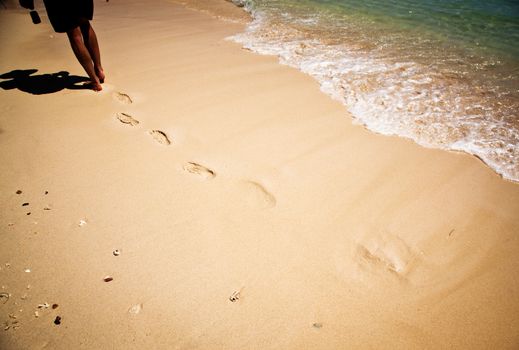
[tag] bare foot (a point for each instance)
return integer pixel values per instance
(95, 85)
(100, 74)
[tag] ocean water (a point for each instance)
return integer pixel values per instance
(444, 73)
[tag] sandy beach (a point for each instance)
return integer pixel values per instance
(211, 198)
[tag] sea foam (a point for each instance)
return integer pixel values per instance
(439, 102)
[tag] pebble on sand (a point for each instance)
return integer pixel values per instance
(108, 279)
(235, 296)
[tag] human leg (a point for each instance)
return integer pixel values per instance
(83, 55)
(90, 40)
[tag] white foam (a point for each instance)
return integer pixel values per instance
(396, 98)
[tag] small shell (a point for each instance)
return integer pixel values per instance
(82, 223)
(5, 296)
(116, 252)
(43, 306)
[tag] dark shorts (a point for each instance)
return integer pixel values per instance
(65, 15)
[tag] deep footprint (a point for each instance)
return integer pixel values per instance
(127, 119)
(160, 137)
(391, 255)
(123, 98)
(199, 170)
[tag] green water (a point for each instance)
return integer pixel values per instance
(491, 24)
(443, 73)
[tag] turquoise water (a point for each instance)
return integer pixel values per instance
(443, 73)
(492, 24)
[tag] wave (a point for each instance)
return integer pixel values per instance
(395, 83)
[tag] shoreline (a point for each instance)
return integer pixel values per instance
(246, 210)
(379, 123)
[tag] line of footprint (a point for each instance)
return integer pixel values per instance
(258, 193)
(159, 136)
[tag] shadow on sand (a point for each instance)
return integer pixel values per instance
(40, 84)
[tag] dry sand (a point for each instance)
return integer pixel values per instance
(326, 235)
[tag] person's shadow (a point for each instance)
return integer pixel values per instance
(40, 84)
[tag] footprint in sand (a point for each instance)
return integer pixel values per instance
(385, 254)
(160, 137)
(126, 119)
(122, 98)
(199, 170)
(256, 196)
